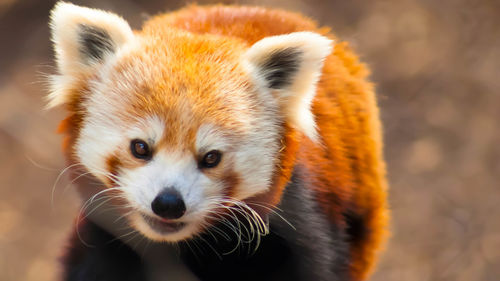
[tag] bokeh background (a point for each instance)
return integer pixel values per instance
(436, 65)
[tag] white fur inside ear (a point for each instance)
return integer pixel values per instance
(288, 67)
(106, 32)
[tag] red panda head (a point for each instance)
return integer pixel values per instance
(182, 125)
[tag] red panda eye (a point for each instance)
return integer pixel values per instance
(140, 149)
(211, 159)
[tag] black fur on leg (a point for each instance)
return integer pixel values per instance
(104, 258)
(319, 247)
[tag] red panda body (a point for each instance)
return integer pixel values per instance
(327, 177)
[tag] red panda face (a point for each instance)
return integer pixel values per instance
(151, 125)
(182, 126)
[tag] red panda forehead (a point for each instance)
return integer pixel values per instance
(185, 82)
(184, 106)
(184, 119)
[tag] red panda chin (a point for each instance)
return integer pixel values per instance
(163, 226)
(158, 230)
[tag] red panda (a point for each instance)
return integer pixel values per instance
(236, 125)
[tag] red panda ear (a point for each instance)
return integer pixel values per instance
(288, 68)
(83, 39)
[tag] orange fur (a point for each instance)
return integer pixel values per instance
(346, 168)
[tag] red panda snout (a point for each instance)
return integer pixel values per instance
(169, 204)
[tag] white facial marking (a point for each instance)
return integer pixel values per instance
(209, 138)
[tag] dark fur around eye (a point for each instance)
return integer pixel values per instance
(140, 149)
(211, 159)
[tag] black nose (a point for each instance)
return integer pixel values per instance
(169, 204)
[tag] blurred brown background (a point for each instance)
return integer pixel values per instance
(437, 69)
